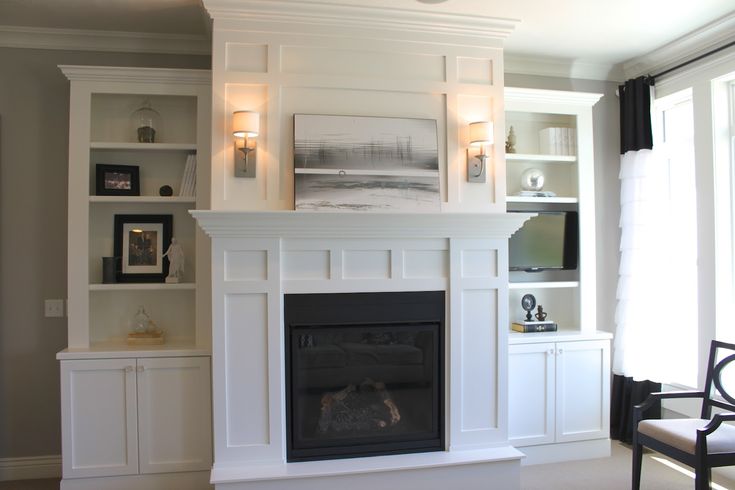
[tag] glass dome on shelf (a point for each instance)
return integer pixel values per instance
(146, 121)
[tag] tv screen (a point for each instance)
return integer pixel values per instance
(547, 241)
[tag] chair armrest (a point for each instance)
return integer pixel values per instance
(717, 420)
(654, 397)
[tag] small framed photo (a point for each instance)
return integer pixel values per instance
(140, 242)
(117, 180)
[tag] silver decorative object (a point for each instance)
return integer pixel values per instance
(532, 179)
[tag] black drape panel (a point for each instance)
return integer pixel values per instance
(635, 115)
(625, 394)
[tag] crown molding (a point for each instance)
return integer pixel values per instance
(252, 12)
(128, 74)
(562, 68)
(711, 36)
(107, 41)
(538, 96)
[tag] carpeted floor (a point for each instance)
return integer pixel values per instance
(593, 474)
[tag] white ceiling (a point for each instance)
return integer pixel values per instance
(591, 31)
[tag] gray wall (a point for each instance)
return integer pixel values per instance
(34, 128)
(606, 115)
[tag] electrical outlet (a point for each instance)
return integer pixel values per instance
(53, 308)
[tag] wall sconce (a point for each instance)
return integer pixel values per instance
(245, 128)
(481, 134)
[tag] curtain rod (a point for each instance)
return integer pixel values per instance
(652, 78)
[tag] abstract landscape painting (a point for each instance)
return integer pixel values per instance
(360, 163)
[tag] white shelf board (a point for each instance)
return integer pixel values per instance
(528, 157)
(144, 199)
(120, 349)
(107, 145)
(558, 200)
(544, 285)
(142, 286)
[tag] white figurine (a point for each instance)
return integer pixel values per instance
(175, 256)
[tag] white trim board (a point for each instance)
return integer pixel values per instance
(30, 467)
(107, 41)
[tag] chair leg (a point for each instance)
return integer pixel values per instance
(637, 461)
(702, 479)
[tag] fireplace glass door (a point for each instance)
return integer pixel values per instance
(358, 388)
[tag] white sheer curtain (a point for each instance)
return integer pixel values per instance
(656, 310)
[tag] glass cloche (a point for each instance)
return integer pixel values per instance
(146, 121)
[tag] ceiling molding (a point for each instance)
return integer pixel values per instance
(561, 68)
(297, 12)
(109, 41)
(538, 96)
(711, 36)
(139, 75)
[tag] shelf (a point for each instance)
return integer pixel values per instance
(550, 200)
(120, 349)
(103, 145)
(527, 157)
(543, 285)
(148, 286)
(144, 199)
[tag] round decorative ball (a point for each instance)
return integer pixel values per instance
(532, 179)
(166, 190)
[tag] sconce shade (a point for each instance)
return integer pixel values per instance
(245, 123)
(481, 133)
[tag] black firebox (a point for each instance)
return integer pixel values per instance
(364, 374)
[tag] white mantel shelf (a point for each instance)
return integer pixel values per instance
(358, 225)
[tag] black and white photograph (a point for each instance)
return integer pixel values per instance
(140, 241)
(361, 163)
(117, 180)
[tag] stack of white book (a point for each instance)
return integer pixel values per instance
(558, 141)
(188, 186)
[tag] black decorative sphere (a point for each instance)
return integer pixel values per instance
(166, 190)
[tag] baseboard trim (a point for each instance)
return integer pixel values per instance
(30, 468)
(565, 451)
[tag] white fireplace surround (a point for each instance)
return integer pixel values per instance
(257, 257)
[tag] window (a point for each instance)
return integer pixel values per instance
(676, 216)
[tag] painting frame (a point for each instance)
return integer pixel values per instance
(365, 163)
(140, 240)
(117, 180)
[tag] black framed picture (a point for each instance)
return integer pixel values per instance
(140, 242)
(117, 180)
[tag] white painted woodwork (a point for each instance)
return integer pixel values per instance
(174, 414)
(99, 419)
(259, 256)
(127, 416)
(101, 102)
(352, 61)
(559, 393)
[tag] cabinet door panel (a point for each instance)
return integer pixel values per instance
(99, 418)
(531, 394)
(583, 386)
(174, 411)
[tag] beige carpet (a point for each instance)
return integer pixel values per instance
(612, 473)
(593, 474)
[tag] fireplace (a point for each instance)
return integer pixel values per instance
(364, 374)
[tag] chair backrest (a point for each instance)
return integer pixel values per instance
(719, 389)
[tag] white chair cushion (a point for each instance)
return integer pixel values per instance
(682, 434)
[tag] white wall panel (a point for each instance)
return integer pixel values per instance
(305, 264)
(366, 264)
(425, 264)
(475, 70)
(479, 263)
(246, 265)
(316, 60)
(246, 340)
(243, 57)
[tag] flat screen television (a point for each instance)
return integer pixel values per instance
(549, 241)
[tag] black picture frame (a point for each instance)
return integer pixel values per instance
(117, 180)
(140, 240)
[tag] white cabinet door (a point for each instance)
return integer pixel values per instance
(531, 394)
(174, 412)
(98, 411)
(582, 390)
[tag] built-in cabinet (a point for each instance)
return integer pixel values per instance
(136, 416)
(558, 381)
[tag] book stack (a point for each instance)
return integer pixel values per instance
(527, 326)
(188, 186)
(558, 141)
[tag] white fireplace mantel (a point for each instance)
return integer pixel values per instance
(298, 224)
(260, 256)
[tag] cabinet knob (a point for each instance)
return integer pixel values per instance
(550, 352)
(560, 352)
(140, 369)
(128, 369)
